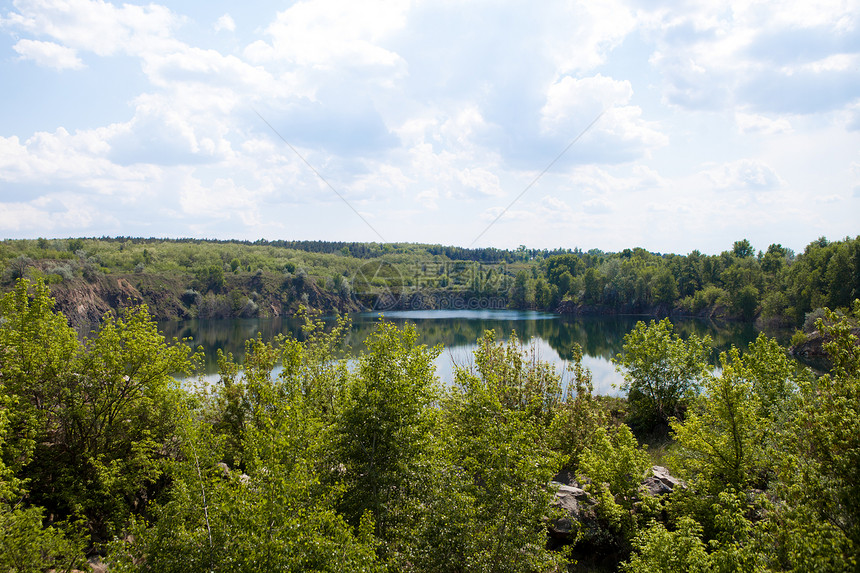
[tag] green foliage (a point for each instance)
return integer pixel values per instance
(489, 507)
(679, 551)
(734, 284)
(708, 297)
(26, 546)
(292, 461)
(745, 302)
(277, 514)
(37, 345)
(210, 278)
(383, 433)
(798, 338)
(616, 463)
(519, 378)
(614, 467)
(577, 420)
(90, 422)
(75, 245)
(720, 441)
(822, 473)
(662, 372)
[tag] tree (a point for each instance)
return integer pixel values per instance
(90, 423)
(518, 296)
(26, 545)
(743, 249)
(490, 502)
(591, 283)
(615, 466)
(565, 282)
(774, 259)
(518, 378)
(662, 372)
(546, 295)
(821, 473)
(745, 301)
(720, 443)
(383, 434)
(679, 551)
(664, 287)
(278, 515)
(576, 421)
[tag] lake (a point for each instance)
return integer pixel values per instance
(552, 335)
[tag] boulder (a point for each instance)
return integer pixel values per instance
(661, 481)
(577, 506)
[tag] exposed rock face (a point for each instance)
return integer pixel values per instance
(85, 302)
(661, 482)
(813, 346)
(579, 506)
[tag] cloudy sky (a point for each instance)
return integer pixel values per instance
(424, 121)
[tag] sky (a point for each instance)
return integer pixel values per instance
(605, 124)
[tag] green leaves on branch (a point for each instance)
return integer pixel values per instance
(662, 372)
(89, 424)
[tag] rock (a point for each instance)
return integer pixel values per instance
(661, 482)
(579, 522)
(813, 348)
(655, 486)
(576, 503)
(569, 498)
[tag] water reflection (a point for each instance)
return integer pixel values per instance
(601, 338)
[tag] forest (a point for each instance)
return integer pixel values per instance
(194, 278)
(293, 460)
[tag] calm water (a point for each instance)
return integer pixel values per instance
(553, 336)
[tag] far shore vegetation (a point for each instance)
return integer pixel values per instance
(195, 278)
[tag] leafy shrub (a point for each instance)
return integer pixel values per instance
(65, 272)
(679, 551)
(662, 372)
(190, 297)
(810, 318)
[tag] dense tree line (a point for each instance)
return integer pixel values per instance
(226, 278)
(775, 285)
(350, 248)
(293, 461)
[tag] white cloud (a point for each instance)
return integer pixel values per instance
(78, 159)
(48, 54)
(791, 56)
(411, 106)
(96, 26)
(744, 174)
(580, 34)
(578, 99)
(333, 33)
(221, 200)
(55, 216)
(225, 22)
(619, 134)
(597, 205)
(749, 123)
(381, 179)
(428, 199)
(480, 181)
